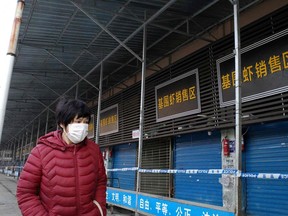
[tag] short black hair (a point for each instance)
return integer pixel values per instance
(68, 109)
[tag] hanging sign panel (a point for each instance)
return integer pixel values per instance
(264, 70)
(109, 120)
(178, 97)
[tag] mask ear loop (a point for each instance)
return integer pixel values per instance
(61, 127)
(65, 132)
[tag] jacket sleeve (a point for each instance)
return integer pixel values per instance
(100, 194)
(28, 186)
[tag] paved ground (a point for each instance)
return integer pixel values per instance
(8, 203)
(9, 206)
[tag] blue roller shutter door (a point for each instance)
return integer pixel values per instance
(124, 156)
(198, 151)
(267, 152)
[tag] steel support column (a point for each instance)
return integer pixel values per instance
(18, 145)
(14, 150)
(21, 148)
(25, 146)
(141, 119)
(32, 133)
(38, 131)
(47, 120)
(99, 105)
(238, 111)
(10, 148)
(7, 73)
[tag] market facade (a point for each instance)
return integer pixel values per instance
(181, 157)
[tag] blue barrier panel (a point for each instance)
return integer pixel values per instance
(122, 198)
(159, 206)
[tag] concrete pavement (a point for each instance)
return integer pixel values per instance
(8, 203)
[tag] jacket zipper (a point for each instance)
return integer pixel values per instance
(77, 182)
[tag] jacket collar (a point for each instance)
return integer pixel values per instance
(54, 140)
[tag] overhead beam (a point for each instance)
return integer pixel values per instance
(101, 32)
(45, 85)
(107, 31)
(162, 38)
(40, 102)
(135, 18)
(71, 69)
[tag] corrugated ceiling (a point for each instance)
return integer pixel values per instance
(62, 44)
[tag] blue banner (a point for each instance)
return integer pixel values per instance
(121, 198)
(159, 206)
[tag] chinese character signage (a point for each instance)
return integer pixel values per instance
(154, 205)
(121, 198)
(264, 70)
(178, 97)
(109, 120)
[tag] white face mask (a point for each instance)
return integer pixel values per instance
(77, 132)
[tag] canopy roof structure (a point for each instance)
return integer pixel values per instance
(62, 45)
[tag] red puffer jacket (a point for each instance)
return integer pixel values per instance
(63, 180)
